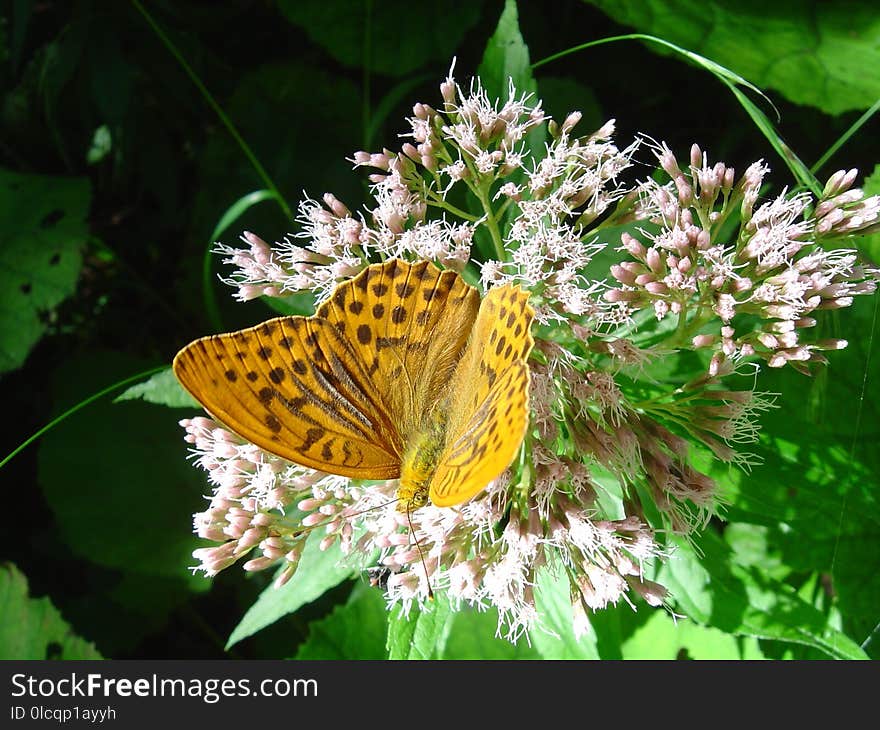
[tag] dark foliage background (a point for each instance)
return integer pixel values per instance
(140, 167)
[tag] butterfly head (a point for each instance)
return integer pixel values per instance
(411, 497)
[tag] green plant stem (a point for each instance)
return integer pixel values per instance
(82, 404)
(844, 138)
(436, 202)
(482, 194)
(227, 122)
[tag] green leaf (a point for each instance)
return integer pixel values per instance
(422, 633)
(381, 36)
(32, 628)
(473, 635)
(506, 57)
(42, 232)
(318, 571)
(355, 630)
(816, 53)
(162, 389)
(715, 591)
(816, 494)
(663, 637)
(117, 477)
(554, 637)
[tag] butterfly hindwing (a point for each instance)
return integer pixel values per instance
(488, 402)
(294, 387)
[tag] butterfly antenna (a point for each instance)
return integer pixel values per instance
(421, 554)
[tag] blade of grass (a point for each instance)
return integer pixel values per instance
(800, 171)
(732, 80)
(82, 404)
(227, 122)
(844, 138)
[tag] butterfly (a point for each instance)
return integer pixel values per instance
(402, 373)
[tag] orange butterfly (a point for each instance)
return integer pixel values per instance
(402, 373)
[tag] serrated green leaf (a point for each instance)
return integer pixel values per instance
(32, 628)
(816, 53)
(42, 232)
(474, 636)
(422, 633)
(506, 57)
(663, 637)
(373, 35)
(162, 389)
(740, 600)
(318, 571)
(355, 630)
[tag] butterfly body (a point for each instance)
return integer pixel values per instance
(420, 461)
(402, 373)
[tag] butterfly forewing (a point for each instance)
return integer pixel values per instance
(408, 324)
(488, 399)
(294, 387)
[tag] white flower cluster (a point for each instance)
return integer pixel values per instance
(602, 431)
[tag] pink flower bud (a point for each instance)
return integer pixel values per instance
(619, 295)
(257, 564)
(632, 245)
(729, 177)
(410, 151)
(251, 537)
(309, 505)
(448, 92)
(668, 162)
(315, 518)
(570, 121)
(284, 576)
(654, 261)
(831, 344)
(622, 275)
(685, 191)
(696, 156)
(263, 519)
(839, 181)
(338, 208)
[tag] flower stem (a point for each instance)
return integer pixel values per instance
(482, 194)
